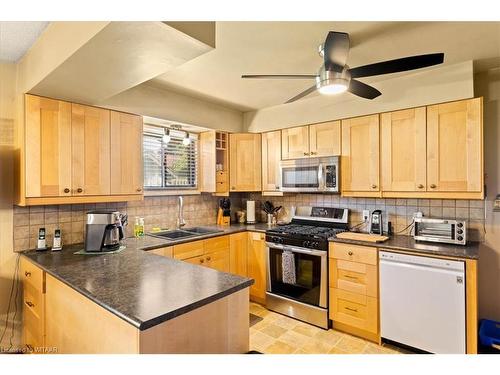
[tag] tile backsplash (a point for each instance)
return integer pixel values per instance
(202, 210)
(157, 212)
(398, 211)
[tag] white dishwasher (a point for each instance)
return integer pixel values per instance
(422, 302)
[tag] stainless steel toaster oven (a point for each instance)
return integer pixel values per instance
(441, 230)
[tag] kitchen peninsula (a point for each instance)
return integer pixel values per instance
(132, 302)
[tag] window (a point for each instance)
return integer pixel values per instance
(171, 165)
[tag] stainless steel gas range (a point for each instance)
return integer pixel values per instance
(297, 263)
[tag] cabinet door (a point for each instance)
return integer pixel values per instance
(238, 253)
(257, 265)
(207, 162)
(90, 133)
(295, 143)
(126, 154)
(271, 157)
(403, 150)
(360, 155)
(245, 162)
(219, 260)
(324, 139)
(455, 146)
(47, 147)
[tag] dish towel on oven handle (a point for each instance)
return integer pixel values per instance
(288, 266)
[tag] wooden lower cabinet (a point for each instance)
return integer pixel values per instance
(354, 306)
(257, 266)
(212, 253)
(238, 253)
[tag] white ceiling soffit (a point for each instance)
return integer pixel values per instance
(121, 56)
(16, 38)
(291, 48)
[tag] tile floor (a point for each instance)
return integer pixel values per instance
(279, 334)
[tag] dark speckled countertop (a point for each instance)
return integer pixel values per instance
(407, 243)
(143, 289)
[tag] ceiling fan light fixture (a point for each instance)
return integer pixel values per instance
(332, 86)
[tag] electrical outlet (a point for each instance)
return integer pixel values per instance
(366, 215)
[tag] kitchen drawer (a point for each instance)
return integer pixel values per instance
(199, 261)
(33, 330)
(189, 250)
(219, 260)
(354, 277)
(221, 176)
(32, 275)
(355, 310)
(216, 244)
(354, 253)
(221, 187)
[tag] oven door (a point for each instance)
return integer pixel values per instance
(310, 275)
(301, 175)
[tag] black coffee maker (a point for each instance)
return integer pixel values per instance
(104, 230)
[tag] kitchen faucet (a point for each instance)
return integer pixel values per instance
(180, 219)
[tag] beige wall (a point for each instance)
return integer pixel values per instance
(488, 85)
(7, 139)
(436, 85)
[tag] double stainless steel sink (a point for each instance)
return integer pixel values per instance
(183, 233)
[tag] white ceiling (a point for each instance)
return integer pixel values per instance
(16, 38)
(291, 48)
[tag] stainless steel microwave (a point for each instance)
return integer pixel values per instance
(314, 175)
(441, 230)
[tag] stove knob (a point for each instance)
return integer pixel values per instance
(460, 225)
(306, 243)
(460, 231)
(460, 238)
(315, 244)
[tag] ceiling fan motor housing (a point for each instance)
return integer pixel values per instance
(330, 78)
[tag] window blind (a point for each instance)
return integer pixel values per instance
(171, 165)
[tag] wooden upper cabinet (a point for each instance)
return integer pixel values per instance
(360, 156)
(324, 139)
(403, 150)
(245, 162)
(455, 146)
(295, 143)
(271, 157)
(207, 162)
(126, 154)
(90, 153)
(47, 166)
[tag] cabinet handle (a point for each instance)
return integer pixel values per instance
(420, 186)
(374, 186)
(27, 273)
(79, 190)
(433, 186)
(277, 187)
(350, 252)
(351, 309)
(306, 153)
(202, 260)
(208, 259)
(313, 153)
(138, 190)
(29, 303)
(66, 190)
(29, 347)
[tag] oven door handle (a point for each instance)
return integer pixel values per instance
(295, 249)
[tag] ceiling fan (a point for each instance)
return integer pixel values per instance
(335, 76)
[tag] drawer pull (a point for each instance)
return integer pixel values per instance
(66, 190)
(351, 309)
(79, 190)
(27, 273)
(208, 259)
(30, 304)
(350, 252)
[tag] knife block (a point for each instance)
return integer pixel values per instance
(221, 219)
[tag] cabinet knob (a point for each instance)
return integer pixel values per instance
(313, 153)
(374, 186)
(233, 188)
(202, 260)
(277, 187)
(30, 304)
(138, 190)
(420, 186)
(29, 347)
(27, 273)
(433, 186)
(208, 259)
(350, 252)
(306, 153)
(66, 190)
(79, 190)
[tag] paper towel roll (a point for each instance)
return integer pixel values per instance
(250, 212)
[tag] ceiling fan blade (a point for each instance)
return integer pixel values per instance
(362, 89)
(279, 76)
(336, 50)
(397, 65)
(302, 94)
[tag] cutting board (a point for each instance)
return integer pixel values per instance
(362, 237)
